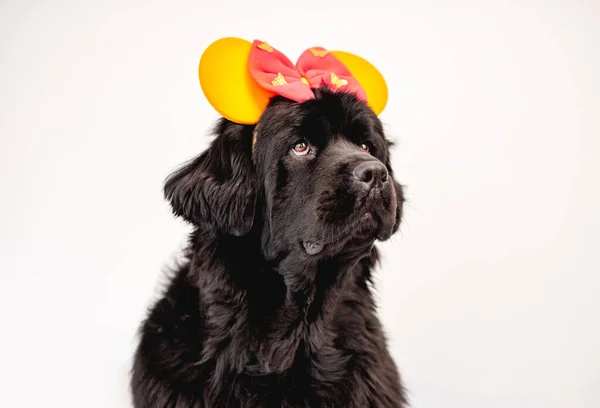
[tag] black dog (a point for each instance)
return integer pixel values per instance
(273, 307)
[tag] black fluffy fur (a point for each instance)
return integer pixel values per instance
(251, 319)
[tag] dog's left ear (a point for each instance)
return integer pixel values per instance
(400, 207)
(217, 189)
(398, 190)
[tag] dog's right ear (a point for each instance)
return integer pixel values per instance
(217, 189)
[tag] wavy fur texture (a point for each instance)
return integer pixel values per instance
(252, 318)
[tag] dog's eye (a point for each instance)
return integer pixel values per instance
(300, 148)
(366, 147)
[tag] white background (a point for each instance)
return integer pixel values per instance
(490, 292)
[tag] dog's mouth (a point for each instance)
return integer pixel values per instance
(313, 248)
(371, 217)
(366, 226)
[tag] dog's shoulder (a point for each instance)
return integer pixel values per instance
(170, 344)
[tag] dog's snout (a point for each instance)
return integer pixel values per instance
(370, 174)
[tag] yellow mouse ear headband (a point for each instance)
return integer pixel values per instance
(239, 77)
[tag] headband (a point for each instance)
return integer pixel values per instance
(238, 78)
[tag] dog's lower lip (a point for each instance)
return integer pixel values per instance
(312, 248)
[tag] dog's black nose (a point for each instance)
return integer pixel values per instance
(370, 173)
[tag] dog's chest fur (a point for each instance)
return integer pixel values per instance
(216, 343)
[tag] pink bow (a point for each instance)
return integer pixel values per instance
(316, 67)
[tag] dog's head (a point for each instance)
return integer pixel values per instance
(313, 177)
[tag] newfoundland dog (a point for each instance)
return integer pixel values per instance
(273, 306)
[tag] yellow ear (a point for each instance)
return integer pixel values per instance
(369, 78)
(226, 82)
